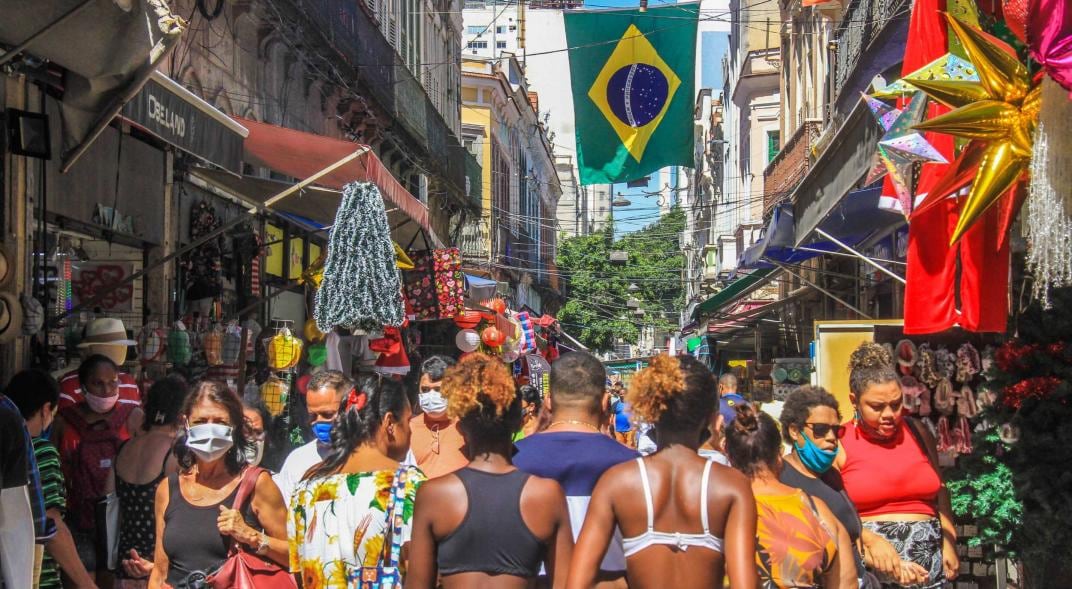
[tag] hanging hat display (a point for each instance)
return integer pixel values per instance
(33, 315)
(284, 350)
(152, 343)
(10, 317)
(178, 345)
(212, 344)
(274, 395)
(393, 358)
(231, 350)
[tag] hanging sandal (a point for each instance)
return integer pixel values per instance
(944, 400)
(964, 429)
(945, 440)
(966, 404)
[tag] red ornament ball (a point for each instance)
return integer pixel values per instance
(492, 337)
(467, 319)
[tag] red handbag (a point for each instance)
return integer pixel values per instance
(243, 570)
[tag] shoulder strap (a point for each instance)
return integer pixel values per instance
(163, 463)
(703, 496)
(932, 455)
(245, 488)
(647, 493)
(393, 550)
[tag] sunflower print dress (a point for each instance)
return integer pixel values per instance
(793, 548)
(338, 524)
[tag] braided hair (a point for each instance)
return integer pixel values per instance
(361, 413)
(870, 364)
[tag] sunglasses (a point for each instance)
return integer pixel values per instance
(821, 429)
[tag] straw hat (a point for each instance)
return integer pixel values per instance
(107, 331)
(7, 268)
(10, 317)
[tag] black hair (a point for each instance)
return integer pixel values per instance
(530, 395)
(164, 401)
(753, 441)
(353, 427)
(260, 408)
(90, 365)
(435, 366)
(798, 406)
(218, 393)
(578, 378)
(31, 389)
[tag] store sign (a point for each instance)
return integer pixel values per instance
(182, 123)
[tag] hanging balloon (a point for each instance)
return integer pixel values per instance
(492, 337)
(510, 356)
(467, 340)
(467, 319)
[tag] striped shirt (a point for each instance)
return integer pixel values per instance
(71, 390)
(44, 529)
(48, 464)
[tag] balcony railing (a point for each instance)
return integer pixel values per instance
(790, 166)
(359, 42)
(861, 24)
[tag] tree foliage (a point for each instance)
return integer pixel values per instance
(597, 290)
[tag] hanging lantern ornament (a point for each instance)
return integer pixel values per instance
(467, 319)
(492, 337)
(1001, 109)
(467, 340)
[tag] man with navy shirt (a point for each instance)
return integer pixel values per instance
(573, 451)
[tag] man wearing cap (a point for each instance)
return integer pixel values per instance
(728, 402)
(108, 337)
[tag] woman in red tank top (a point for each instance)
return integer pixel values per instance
(885, 465)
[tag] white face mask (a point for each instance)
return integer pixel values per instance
(255, 452)
(101, 404)
(432, 403)
(209, 441)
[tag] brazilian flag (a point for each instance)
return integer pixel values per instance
(632, 77)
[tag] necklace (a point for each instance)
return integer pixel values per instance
(573, 422)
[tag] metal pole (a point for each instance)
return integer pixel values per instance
(819, 251)
(824, 291)
(844, 246)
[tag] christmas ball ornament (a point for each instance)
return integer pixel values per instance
(1009, 433)
(467, 319)
(492, 337)
(467, 340)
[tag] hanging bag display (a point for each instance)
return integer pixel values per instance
(242, 569)
(284, 350)
(178, 345)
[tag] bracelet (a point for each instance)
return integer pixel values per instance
(262, 547)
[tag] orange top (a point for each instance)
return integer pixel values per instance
(436, 446)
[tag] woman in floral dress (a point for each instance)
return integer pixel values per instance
(339, 513)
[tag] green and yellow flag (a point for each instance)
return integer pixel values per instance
(632, 77)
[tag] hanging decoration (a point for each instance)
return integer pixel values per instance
(436, 286)
(467, 319)
(362, 288)
(314, 274)
(284, 350)
(901, 147)
(467, 340)
(1049, 36)
(948, 67)
(179, 349)
(1001, 110)
(1047, 219)
(492, 337)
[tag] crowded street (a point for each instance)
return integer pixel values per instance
(563, 294)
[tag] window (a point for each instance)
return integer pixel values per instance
(475, 29)
(773, 146)
(477, 44)
(500, 44)
(501, 29)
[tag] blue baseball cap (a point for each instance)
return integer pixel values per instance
(727, 406)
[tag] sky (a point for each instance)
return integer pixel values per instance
(645, 207)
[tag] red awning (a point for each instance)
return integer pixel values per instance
(300, 155)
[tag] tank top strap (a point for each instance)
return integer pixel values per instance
(703, 496)
(163, 465)
(648, 502)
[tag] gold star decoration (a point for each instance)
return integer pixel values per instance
(998, 113)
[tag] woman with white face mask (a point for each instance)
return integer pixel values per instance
(88, 435)
(195, 523)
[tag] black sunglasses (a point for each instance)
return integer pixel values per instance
(821, 429)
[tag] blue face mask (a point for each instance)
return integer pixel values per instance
(322, 431)
(815, 458)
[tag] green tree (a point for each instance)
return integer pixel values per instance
(595, 311)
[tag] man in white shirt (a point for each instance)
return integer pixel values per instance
(322, 398)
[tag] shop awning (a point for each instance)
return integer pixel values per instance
(837, 171)
(480, 288)
(108, 48)
(736, 290)
(853, 220)
(299, 155)
(175, 115)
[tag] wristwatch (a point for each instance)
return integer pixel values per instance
(262, 547)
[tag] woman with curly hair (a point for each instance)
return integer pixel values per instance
(889, 466)
(705, 524)
(488, 524)
(352, 512)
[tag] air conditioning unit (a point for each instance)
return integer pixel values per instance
(619, 257)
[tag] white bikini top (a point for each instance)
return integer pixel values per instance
(682, 541)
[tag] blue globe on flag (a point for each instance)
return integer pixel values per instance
(637, 94)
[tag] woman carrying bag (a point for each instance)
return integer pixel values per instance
(215, 489)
